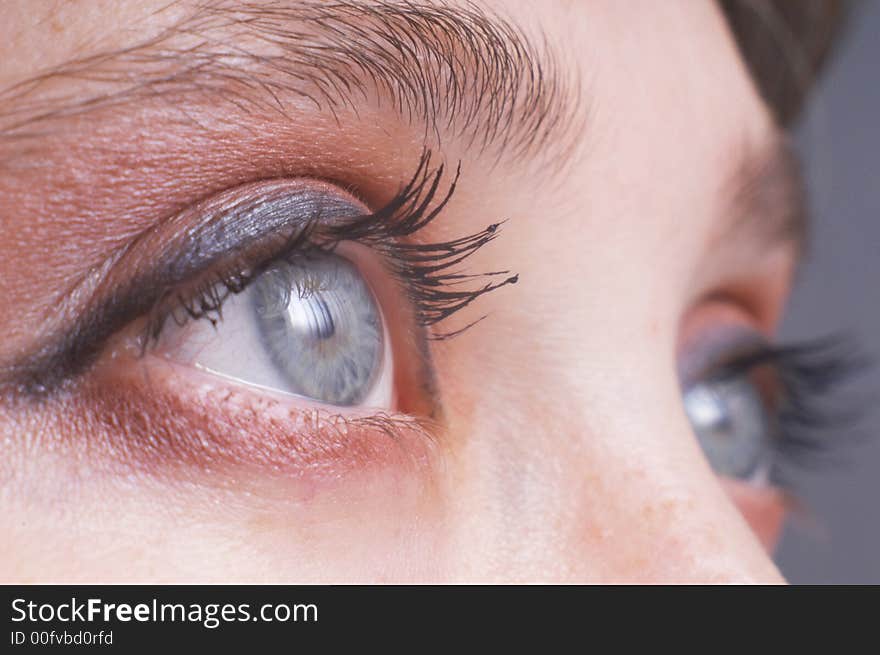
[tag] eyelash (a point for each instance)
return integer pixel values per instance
(426, 271)
(809, 377)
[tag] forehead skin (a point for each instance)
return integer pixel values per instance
(563, 458)
(45, 34)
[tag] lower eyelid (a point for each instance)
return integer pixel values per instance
(154, 419)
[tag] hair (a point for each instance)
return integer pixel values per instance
(785, 44)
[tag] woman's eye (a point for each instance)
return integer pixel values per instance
(307, 325)
(732, 424)
(761, 411)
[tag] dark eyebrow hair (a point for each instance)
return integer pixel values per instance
(447, 68)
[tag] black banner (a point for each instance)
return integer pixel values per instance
(149, 618)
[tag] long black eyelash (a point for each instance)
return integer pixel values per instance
(429, 272)
(812, 414)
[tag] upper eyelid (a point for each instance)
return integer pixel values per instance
(166, 255)
(133, 282)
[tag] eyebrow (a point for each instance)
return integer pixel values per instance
(765, 196)
(448, 68)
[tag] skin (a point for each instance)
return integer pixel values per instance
(562, 452)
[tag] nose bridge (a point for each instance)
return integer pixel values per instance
(592, 494)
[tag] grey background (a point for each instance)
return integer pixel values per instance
(838, 540)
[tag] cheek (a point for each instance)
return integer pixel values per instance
(762, 508)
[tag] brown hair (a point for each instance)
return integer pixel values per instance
(785, 44)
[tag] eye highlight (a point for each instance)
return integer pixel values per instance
(308, 325)
(320, 321)
(732, 425)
